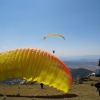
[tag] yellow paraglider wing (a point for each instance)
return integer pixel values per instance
(35, 65)
(54, 35)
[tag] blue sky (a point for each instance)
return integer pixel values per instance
(24, 23)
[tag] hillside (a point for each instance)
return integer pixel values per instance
(84, 91)
(80, 72)
(89, 64)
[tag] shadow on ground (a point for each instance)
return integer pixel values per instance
(47, 96)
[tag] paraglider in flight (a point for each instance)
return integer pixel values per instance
(53, 51)
(49, 35)
(34, 64)
(54, 35)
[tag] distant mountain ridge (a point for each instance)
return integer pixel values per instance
(80, 72)
(83, 63)
(82, 67)
(91, 57)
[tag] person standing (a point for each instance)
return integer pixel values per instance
(41, 85)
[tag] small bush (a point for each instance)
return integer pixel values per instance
(92, 84)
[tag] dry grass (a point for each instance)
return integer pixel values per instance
(83, 91)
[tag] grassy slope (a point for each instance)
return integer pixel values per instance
(33, 92)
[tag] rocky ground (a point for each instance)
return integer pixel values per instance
(78, 91)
